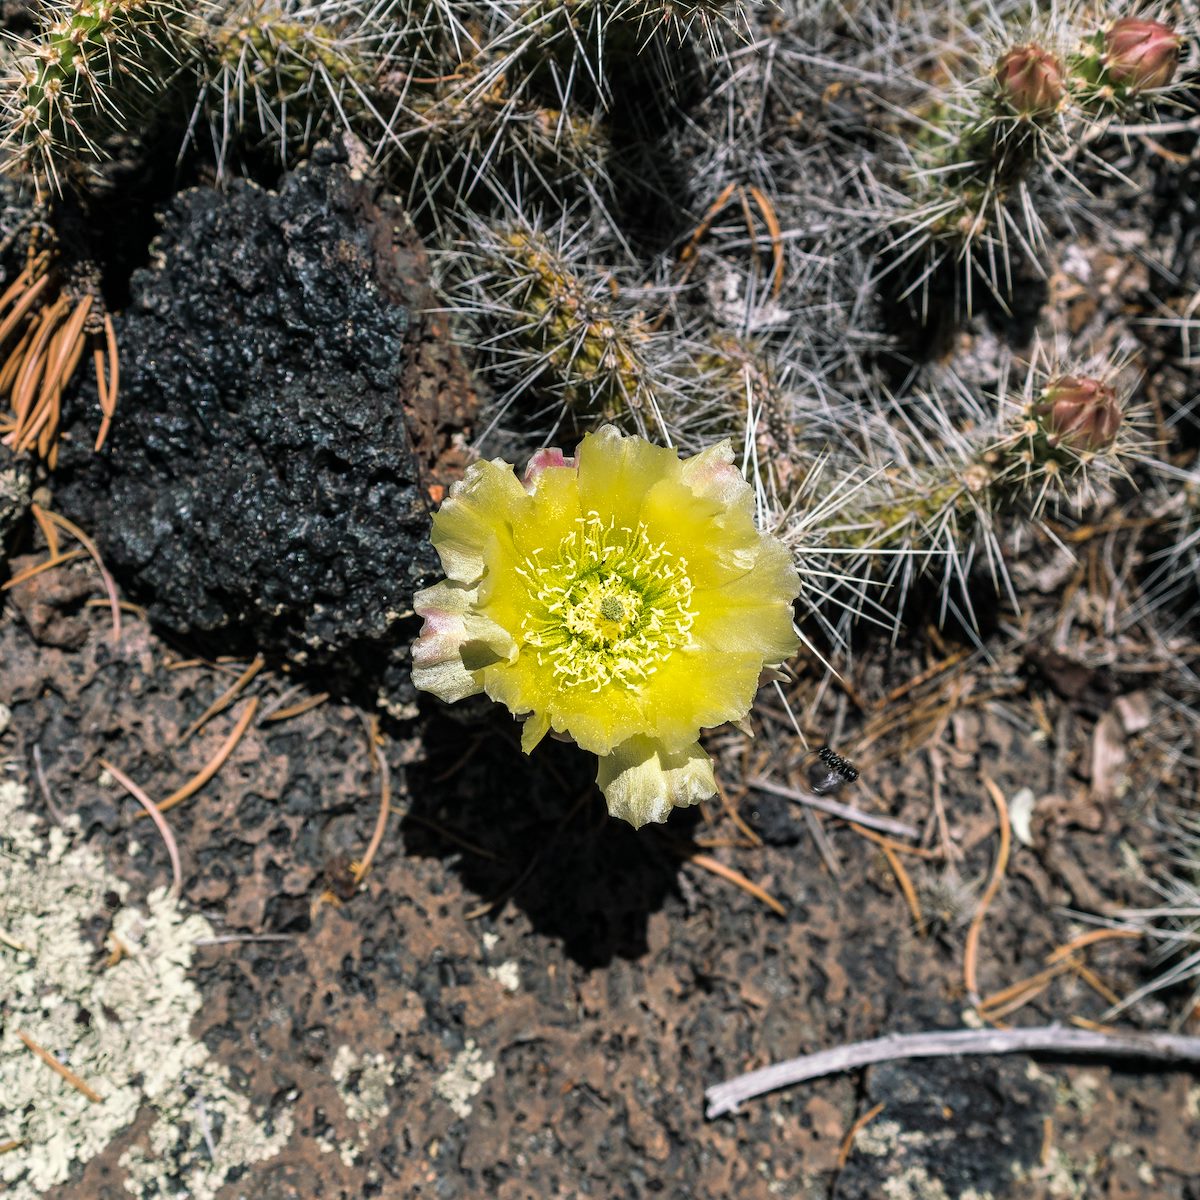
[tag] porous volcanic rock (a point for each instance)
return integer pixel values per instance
(260, 490)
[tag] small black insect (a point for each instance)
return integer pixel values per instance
(829, 772)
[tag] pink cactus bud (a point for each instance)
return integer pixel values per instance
(1141, 54)
(1081, 413)
(1030, 79)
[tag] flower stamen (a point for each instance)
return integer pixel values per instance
(608, 607)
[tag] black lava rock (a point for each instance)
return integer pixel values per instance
(259, 489)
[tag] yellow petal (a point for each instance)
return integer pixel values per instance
(537, 725)
(473, 528)
(642, 781)
(616, 472)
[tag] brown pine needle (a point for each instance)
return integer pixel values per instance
(768, 211)
(360, 869)
(49, 530)
(1094, 1026)
(859, 1125)
(917, 680)
(1089, 939)
(215, 763)
(297, 709)
(16, 1144)
(63, 1070)
(1095, 983)
(1018, 989)
(971, 949)
(224, 700)
(86, 542)
(740, 880)
(736, 817)
(159, 820)
(108, 395)
(902, 876)
(22, 306)
(29, 572)
(134, 610)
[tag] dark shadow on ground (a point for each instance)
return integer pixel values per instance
(535, 831)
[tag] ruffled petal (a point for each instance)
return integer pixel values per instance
(455, 642)
(473, 529)
(642, 781)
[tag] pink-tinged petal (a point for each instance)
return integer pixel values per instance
(712, 475)
(544, 460)
(455, 643)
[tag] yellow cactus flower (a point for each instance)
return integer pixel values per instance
(624, 599)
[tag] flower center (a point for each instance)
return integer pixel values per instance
(606, 606)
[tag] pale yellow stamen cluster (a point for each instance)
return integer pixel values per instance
(607, 606)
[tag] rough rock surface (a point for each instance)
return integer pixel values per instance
(260, 489)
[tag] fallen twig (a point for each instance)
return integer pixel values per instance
(1054, 1039)
(846, 811)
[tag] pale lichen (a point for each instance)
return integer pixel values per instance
(463, 1080)
(119, 1021)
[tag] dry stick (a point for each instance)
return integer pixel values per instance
(736, 877)
(1169, 1048)
(215, 763)
(61, 1068)
(845, 811)
(159, 820)
(224, 700)
(971, 949)
(451, 836)
(86, 542)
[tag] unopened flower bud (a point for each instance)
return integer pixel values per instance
(1030, 79)
(1079, 412)
(1140, 54)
